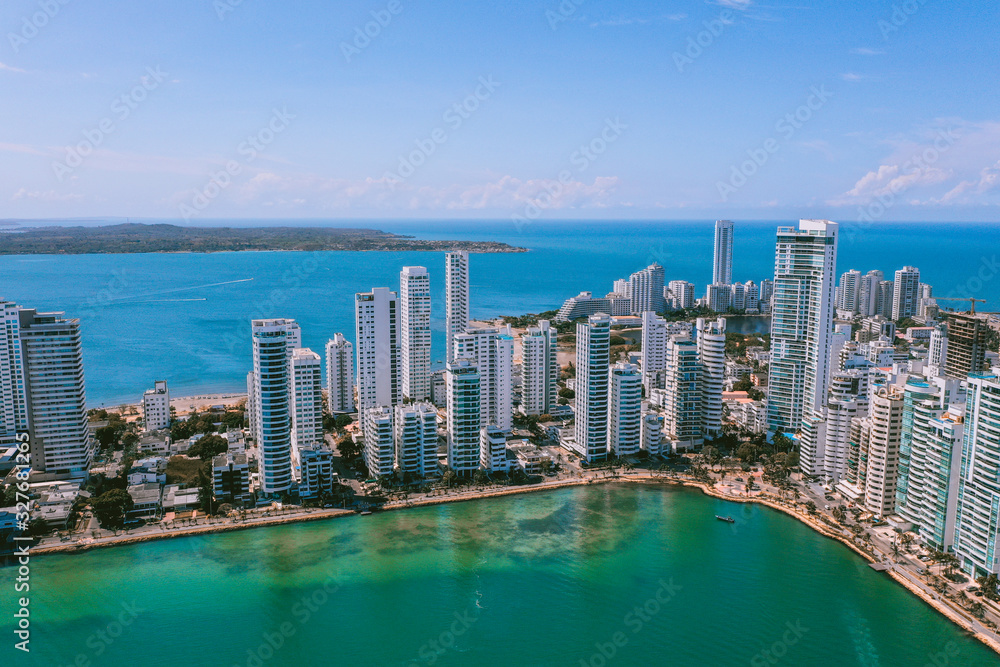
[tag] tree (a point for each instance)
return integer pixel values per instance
(567, 393)
(342, 421)
(811, 507)
(481, 478)
(112, 507)
(208, 447)
(206, 492)
(449, 478)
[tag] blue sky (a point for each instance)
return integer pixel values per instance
(203, 109)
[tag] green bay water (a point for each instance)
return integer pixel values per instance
(185, 317)
(548, 578)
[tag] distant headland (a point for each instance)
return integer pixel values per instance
(160, 238)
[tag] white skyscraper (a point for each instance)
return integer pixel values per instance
(683, 293)
(646, 289)
(13, 401)
(55, 401)
(722, 268)
(868, 293)
(307, 399)
(682, 405)
(624, 410)
(977, 533)
(492, 448)
(492, 350)
(539, 369)
(719, 298)
(416, 439)
(273, 342)
(380, 444)
(849, 291)
(874, 444)
(801, 322)
(378, 365)
(653, 360)
(456, 279)
(464, 421)
(712, 355)
(339, 374)
(937, 357)
(591, 402)
(830, 437)
(415, 332)
(156, 407)
(906, 293)
(651, 433)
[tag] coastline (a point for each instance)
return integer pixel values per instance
(956, 616)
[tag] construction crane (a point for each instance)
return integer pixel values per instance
(961, 298)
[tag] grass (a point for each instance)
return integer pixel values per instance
(182, 470)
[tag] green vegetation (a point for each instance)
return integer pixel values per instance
(208, 447)
(529, 320)
(182, 470)
(133, 238)
(111, 508)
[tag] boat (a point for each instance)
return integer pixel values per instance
(366, 513)
(727, 519)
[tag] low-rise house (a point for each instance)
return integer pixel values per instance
(147, 501)
(176, 499)
(231, 479)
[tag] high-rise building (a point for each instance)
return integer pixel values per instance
(966, 345)
(653, 360)
(539, 369)
(416, 439)
(464, 421)
(651, 433)
(930, 454)
(751, 298)
(682, 294)
(875, 447)
(273, 342)
(492, 350)
(801, 322)
(977, 525)
(492, 448)
(339, 374)
(937, 351)
(624, 410)
(883, 304)
(722, 267)
(825, 441)
(415, 332)
(719, 298)
(849, 291)
(376, 316)
(380, 445)
(766, 293)
(868, 293)
(737, 296)
(593, 339)
(13, 401)
(906, 293)
(682, 395)
(456, 283)
(307, 399)
(156, 407)
(646, 289)
(55, 400)
(712, 355)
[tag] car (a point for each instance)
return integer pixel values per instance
(826, 507)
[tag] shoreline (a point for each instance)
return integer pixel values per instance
(958, 617)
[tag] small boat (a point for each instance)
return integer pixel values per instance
(727, 519)
(366, 513)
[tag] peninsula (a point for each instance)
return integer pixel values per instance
(148, 238)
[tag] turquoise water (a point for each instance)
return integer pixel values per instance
(185, 318)
(549, 578)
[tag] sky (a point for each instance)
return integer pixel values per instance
(192, 110)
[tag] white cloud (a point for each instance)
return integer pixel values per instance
(735, 4)
(9, 68)
(851, 76)
(47, 195)
(862, 51)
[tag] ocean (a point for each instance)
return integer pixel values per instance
(185, 317)
(587, 576)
